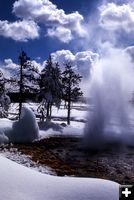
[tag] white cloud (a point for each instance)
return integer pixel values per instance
(116, 17)
(63, 56)
(19, 30)
(63, 34)
(81, 61)
(45, 12)
(10, 65)
(11, 69)
(37, 65)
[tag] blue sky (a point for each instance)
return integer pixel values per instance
(76, 31)
(44, 45)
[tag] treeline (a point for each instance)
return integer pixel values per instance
(50, 86)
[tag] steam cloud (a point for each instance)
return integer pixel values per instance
(111, 87)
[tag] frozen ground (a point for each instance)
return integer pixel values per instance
(19, 182)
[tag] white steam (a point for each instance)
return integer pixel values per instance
(111, 87)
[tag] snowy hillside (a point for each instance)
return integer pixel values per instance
(20, 183)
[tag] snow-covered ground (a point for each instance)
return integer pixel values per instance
(58, 125)
(78, 111)
(20, 183)
(55, 127)
(78, 118)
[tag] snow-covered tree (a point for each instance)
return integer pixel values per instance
(51, 86)
(71, 89)
(29, 74)
(29, 77)
(4, 98)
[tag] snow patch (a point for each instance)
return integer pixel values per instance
(19, 182)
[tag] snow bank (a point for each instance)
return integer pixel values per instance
(25, 130)
(19, 182)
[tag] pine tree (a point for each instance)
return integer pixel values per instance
(71, 89)
(4, 98)
(50, 86)
(29, 78)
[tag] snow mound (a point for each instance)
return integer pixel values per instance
(19, 182)
(24, 131)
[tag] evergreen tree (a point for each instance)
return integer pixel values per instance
(50, 86)
(29, 78)
(71, 89)
(4, 98)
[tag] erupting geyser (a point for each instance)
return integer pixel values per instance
(111, 114)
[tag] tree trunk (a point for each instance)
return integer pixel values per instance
(42, 115)
(69, 103)
(68, 112)
(20, 95)
(50, 112)
(20, 107)
(48, 109)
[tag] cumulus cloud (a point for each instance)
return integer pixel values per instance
(113, 23)
(45, 12)
(11, 69)
(9, 64)
(63, 56)
(37, 65)
(116, 17)
(81, 61)
(63, 34)
(19, 30)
